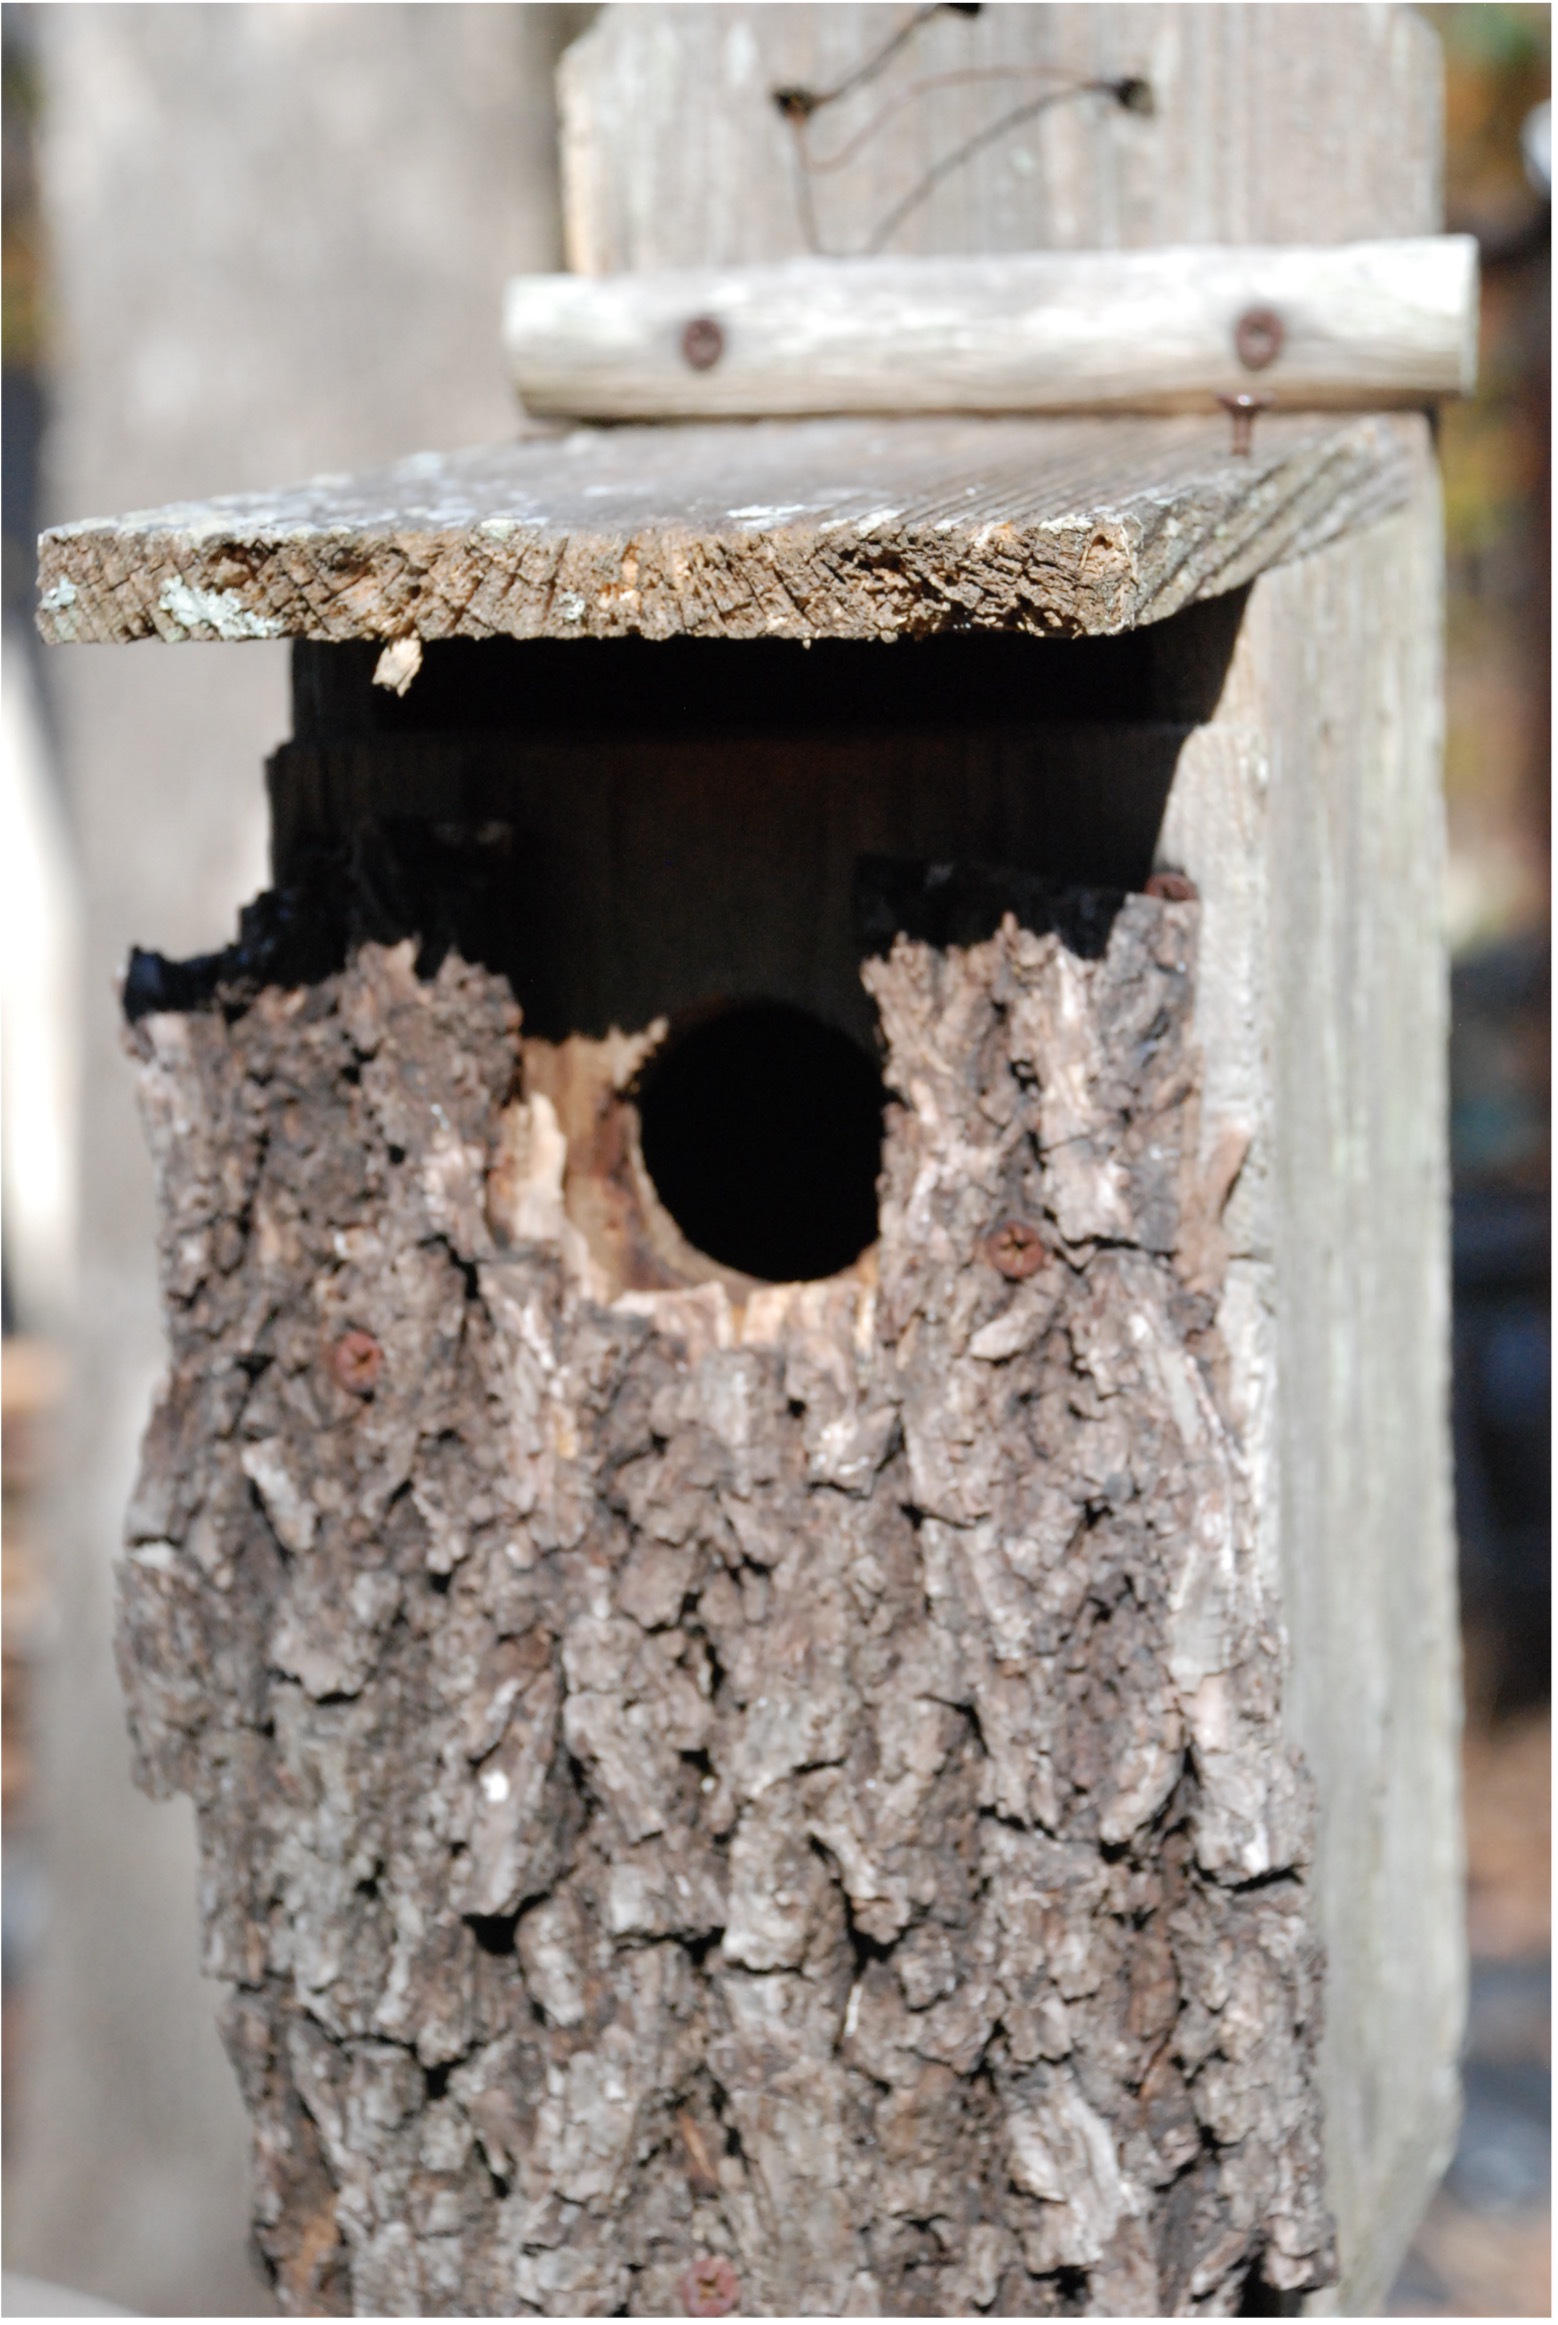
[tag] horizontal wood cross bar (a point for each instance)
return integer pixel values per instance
(1360, 324)
(845, 528)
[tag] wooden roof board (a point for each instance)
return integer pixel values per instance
(840, 528)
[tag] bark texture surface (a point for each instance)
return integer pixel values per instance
(779, 1806)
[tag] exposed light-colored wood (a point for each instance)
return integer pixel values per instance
(791, 529)
(1362, 324)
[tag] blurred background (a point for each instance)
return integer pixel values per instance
(249, 242)
(242, 244)
(1485, 2248)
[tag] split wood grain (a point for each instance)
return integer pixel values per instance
(845, 528)
(1360, 325)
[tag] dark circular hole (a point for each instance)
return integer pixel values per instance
(762, 1132)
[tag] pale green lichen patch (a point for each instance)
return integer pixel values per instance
(58, 601)
(219, 610)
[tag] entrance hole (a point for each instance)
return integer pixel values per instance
(761, 1129)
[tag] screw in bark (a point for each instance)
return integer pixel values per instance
(703, 343)
(1172, 888)
(1016, 1248)
(1243, 410)
(708, 2287)
(1259, 337)
(356, 1361)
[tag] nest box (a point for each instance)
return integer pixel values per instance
(798, 1548)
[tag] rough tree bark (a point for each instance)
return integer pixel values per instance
(778, 1805)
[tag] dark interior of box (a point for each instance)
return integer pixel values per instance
(715, 834)
(631, 828)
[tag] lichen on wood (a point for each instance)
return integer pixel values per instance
(777, 1804)
(851, 528)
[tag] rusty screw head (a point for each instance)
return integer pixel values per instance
(1016, 1249)
(356, 1361)
(708, 2287)
(703, 343)
(1172, 888)
(1258, 338)
(1244, 409)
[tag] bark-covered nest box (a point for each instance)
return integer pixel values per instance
(797, 1545)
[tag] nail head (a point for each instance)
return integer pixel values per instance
(1015, 1249)
(708, 2286)
(703, 343)
(357, 1360)
(1258, 338)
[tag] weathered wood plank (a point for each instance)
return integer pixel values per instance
(1309, 813)
(1366, 324)
(1264, 129)
(802, 529)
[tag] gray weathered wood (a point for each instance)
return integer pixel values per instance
(1269, 125)
(1308, 812)
(1362, 325)
(827, 528)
